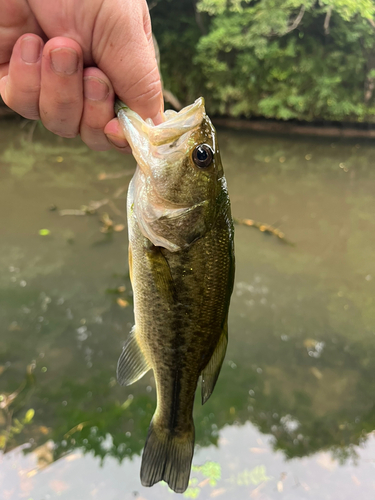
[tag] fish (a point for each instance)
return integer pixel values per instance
(181, 266)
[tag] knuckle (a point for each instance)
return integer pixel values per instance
(60, 128)
(151, 85)
(18, 96)
(30, 114)
(65, 101)
(25, 105)
(62, 115)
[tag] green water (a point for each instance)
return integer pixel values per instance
(293, 412)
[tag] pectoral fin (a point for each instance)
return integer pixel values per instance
(162, 276)
(211, 373)
(132, 364)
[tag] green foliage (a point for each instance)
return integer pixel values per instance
(177, 34)
(211, 470)
(284, 59)
(16, 428)
(248, 477)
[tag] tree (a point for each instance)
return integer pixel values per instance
(306, 60)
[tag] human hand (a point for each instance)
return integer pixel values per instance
(64, 61)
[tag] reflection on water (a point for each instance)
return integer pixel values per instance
(244, 466)
(293, 410)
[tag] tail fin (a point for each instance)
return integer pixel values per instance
(167, 457)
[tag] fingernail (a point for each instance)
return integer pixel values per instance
(30, 49)
(64, 61)
(158, 118)
(115, 141)
(95, 89)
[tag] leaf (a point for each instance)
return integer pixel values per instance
(317, 373)
(119, 289)
(212, 470)
(254, 476)
(192, 493)
(258, 475)
(310, 343)
(3, 441)
(44, 232)
(122, 302)
(29, 416)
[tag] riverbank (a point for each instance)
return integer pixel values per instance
(350, 130)
(300, 128)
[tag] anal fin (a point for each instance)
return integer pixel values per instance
(132, 364)
(211, 372)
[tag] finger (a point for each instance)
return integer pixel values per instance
(16, 19)
(123, 50)
(21, 88)
(98, 108)
(61, 94)
(115, 136)
(4, 69)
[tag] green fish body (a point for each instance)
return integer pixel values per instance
(181, 263)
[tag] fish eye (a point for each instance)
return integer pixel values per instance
(203, 155)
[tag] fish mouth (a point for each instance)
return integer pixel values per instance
(175, 125)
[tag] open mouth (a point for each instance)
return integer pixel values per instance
(175, 124)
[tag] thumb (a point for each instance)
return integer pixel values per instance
(124, 51)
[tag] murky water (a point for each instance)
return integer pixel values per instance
(293, 412)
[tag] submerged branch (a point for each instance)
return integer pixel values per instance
(117, 211)
(89, 209)
(117, 175)
(264, 228)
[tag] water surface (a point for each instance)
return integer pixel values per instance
(293, 412)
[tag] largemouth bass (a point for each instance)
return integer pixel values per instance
(181, 264)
